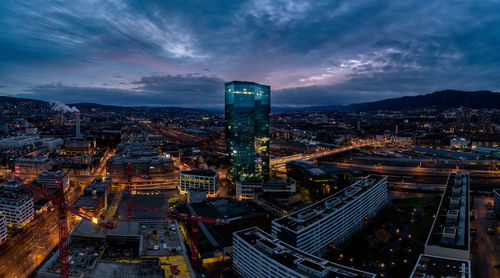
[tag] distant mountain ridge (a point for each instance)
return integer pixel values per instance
(439, 99)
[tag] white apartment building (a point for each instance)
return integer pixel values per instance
(333, 219)
(450, 232)
(257, 254)
(3, 229)
(17, 208)
(51, 179)
(206, 180)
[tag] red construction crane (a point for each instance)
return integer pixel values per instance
(194, 226)
(63, 209)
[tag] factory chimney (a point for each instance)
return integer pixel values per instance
(396, 129)
(77, 122)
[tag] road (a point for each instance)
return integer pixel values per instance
(278, 162)
(22, 254)
(485, 249)
(403, 170)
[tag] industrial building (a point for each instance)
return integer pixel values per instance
(432, 266)
(449, 236)
(333, 219)
(206, 180)
(247, 189)
(16, 206)
(52, 179)
(247, 109)
(95, 197)
(3, 229)
(257, 254)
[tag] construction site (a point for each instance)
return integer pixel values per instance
(132, 249)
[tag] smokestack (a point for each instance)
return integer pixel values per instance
(396, 129)
(77, 121)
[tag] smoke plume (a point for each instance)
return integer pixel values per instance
(59, 106)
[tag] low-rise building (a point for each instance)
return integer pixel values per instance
(247, 189)
(52, 179)
(206, 180)
(333, 219)
(257, 254)
(95, 197)
(33, 165)
(496, 202)
(3, 229)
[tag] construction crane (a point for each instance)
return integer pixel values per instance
(194, 226)
(63, 209)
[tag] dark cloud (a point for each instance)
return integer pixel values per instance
(151, 91)
(310, 52)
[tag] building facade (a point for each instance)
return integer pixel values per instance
(257, 254)
(33, 165)
(3, 229)
(52, 179)
(247, 108)
(17, 208)
(247, 189)
(334, 219)
(206, 180)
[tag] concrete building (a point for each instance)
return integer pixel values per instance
(52, 179)
(247, 189)
(206, 180)
(143, 159)
(82, 144)
(16, 207)
(432, 266)
(333, 219)
(3, 229)
(449, 236)
(34, 165)
(257, 254)
(95, 197)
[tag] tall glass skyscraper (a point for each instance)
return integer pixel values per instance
(247, 129)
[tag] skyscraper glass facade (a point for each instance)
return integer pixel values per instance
(247, 129)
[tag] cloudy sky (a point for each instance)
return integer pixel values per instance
(180, 53)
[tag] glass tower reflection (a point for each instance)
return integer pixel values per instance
(247, 129)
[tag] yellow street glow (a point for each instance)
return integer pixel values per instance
(94, 220)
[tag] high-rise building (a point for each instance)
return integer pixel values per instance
(247, 129)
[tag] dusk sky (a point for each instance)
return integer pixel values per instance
(180, 53)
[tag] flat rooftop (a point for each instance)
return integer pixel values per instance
(451, 225)
(148, 200)
(293, 258)
(431, 266)
(315, 212)
(199, 172)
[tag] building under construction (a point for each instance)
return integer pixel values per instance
(132, 249)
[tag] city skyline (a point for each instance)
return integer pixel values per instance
(127, 53)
